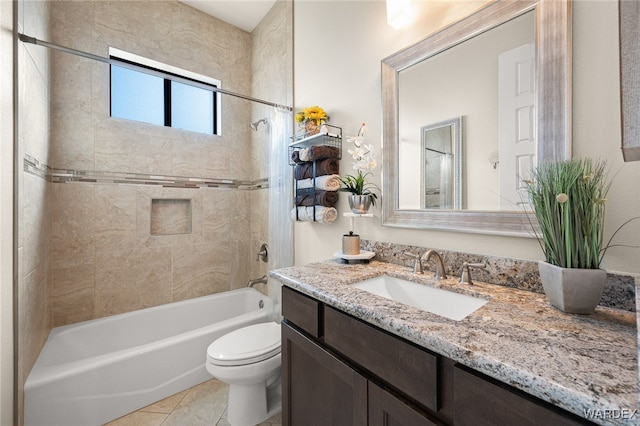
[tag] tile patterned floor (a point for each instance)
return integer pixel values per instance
(205, 404)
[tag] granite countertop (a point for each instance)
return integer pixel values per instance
(582, 363)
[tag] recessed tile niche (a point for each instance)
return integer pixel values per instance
(171, 216)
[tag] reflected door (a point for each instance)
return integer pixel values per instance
(516, 123)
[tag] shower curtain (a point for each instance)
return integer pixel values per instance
(280, 191)
(446, 194)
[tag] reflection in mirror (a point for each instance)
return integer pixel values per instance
(490, 79)
(440, 177)
(518, 48)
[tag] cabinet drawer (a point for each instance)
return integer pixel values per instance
(480, 400)
(301, 310)
(406, 367)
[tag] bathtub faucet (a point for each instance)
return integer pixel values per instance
(261, 280)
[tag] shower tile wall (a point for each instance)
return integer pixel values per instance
(104, 258)
(86, 249)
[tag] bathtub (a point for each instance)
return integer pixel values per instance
(96, 371)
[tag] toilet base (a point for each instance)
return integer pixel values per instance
(250, 404)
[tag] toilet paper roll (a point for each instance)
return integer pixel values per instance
(351, 244)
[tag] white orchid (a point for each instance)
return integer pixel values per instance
(364, 162)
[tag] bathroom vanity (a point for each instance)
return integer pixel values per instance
(352, 357)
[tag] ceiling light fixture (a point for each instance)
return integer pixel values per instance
(399, 13)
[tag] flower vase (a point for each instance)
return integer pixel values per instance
(359, 204)
(311, 128)
(572, 290)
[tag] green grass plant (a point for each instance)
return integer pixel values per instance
(568, 198)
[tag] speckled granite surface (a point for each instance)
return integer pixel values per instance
(576, 362)
(619, 292)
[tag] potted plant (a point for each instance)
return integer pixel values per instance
(362, 192)
(311, 118)
(568, 199)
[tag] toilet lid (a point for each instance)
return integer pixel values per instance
(246, 345)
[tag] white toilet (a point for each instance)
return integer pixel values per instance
(248, 359)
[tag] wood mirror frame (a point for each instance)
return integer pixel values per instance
(553, 50)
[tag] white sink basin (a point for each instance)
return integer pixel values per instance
(441, 302)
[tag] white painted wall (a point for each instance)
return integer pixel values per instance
(338, 49)
(6, 213)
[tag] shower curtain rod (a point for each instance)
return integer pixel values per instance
(32, 40)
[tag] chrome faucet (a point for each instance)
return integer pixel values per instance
(418, 266)
(465, 274)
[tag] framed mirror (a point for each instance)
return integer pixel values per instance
(440, 167)
(540, 29)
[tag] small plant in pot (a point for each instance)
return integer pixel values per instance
(568, 199)
(362, 192)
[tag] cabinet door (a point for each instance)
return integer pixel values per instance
(482, 401)
(317, 388)
(386, 409)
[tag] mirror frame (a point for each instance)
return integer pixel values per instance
(553, 61)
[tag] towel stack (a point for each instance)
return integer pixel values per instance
(316, 196)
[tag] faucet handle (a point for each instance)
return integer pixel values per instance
(417, 264)
(465, 273)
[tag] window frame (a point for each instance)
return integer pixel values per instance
(165, 72)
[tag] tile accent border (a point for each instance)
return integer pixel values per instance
(34, 167)
(619, 293)
(37, 168)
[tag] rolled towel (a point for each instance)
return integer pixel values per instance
(326, 182)
(322, 214)
(322, 198)
(319, 152)
(295, 157)
(328, 166)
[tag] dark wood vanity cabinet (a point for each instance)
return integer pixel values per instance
(339, 370)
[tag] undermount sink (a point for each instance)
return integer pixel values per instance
(441, 302)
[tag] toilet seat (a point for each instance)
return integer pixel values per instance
(246, 345)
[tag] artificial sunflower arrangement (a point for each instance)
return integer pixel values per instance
(311, 118)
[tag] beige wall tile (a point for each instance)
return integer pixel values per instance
(33, 222)
(199, 270)
(218, 211)
(72, 220)
(134, 24)
(73, 284)
(241, 256)
(131, 152)
(115, 217)
(127, 280)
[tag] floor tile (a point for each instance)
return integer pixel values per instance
(203, 405)
(139, 418)
(166, 405)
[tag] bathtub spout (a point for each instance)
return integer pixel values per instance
(261, 280)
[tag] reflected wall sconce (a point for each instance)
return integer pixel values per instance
(494, 158)
(399, 13)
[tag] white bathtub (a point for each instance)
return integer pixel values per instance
(96, 371)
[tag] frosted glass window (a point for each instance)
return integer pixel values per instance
(161, 100)
(137, 96)
(192, 108)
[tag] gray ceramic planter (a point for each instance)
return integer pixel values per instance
(572, 290)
